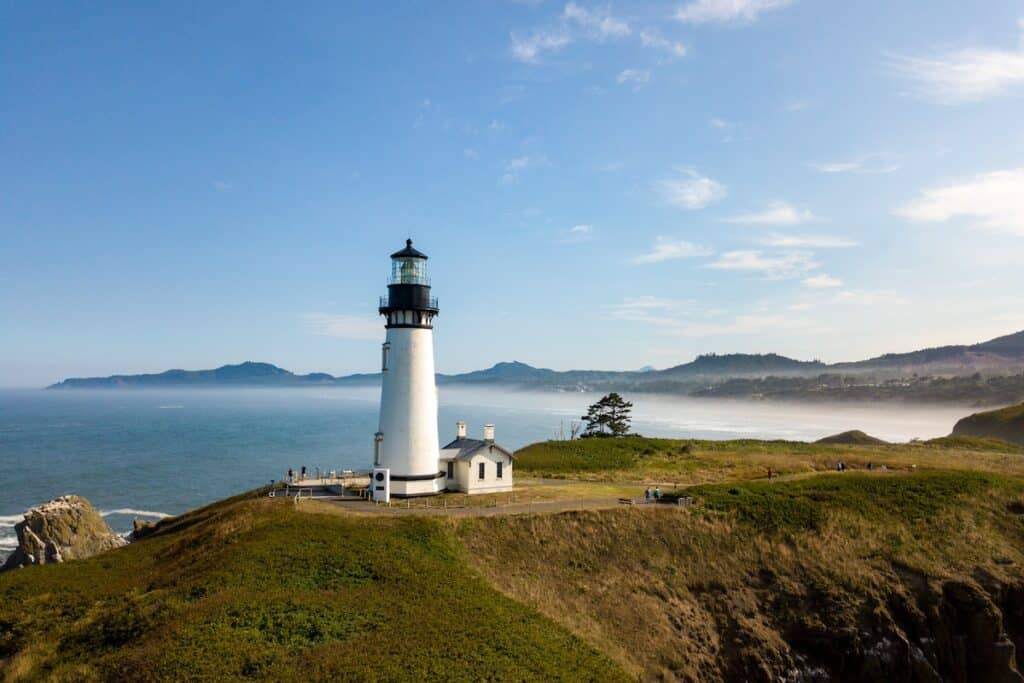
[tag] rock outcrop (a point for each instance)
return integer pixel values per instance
(67, 528)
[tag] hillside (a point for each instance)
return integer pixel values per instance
(252, 588)
(1006, 424)
(907, 574)
(915, 573)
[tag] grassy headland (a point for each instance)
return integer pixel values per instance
(910, 573)
(255, 589)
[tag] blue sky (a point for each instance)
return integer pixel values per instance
(599, 185)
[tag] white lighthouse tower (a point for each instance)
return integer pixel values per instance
(406, 448)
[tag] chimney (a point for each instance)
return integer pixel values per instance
(489, 433)
(460, 430)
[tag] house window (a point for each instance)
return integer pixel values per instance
(483, 467)
(499, 469)
(451, 469)
(384, 355)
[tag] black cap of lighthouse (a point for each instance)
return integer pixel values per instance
(409, 303)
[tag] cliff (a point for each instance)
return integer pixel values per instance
(67, 528)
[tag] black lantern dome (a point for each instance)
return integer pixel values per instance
(408, 303)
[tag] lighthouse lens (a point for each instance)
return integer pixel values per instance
(409, 271)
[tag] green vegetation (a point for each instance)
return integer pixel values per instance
(1006, 424)
(806, 504)
(695, 461)
(256, 589)
(810, 572)
(825, 575)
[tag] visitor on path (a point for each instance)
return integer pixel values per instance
(303, 477)
(291, 475)
(647, 495)
(657, 494)
(769, 474)
(869, 467)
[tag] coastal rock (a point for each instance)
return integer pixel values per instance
(67, 528)
(141, 528)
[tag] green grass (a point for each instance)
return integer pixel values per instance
(694, 461)
(806, 504)
(596, 455)
(255, 589)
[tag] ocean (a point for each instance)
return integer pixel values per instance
(149, 453)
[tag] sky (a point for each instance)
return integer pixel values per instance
(598, 185)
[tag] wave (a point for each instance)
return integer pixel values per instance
(10, 520)
(133, 511)
(8, 542)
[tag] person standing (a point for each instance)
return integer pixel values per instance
(303, 477)
(647, 495)
(657, 494)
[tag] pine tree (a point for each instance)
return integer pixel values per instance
(610, 416)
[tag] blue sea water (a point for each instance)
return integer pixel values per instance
(148, 453)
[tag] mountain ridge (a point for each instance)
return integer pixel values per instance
(1005, 353)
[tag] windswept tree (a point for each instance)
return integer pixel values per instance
(608, 417)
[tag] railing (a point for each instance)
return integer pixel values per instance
(385, 302)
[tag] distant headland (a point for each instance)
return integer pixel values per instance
(987, 373)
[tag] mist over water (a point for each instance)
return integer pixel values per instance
(152, 452)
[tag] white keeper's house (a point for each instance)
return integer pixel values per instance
(408, 460)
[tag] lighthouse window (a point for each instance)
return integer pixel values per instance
(483, 467)
(451, 469)
(498, 472)
(384, 356)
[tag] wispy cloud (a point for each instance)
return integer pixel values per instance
(994, 200)
(668, 248)
(515, 167)
(863, 164)
(635, 77)
(822, 281)
(222, 185)
(807, 241)
(471, 153)
(776, 266)
(600, 25)
(964, 75)
(727, 11)
(776, 213)
(531, 48)
(343, 326)
(579, 233)
(690, 190)
(575, 23)
(671, 48)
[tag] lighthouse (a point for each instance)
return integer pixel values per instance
(406, 445)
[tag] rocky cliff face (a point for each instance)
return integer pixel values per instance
(68, 528)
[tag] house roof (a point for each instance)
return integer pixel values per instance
(464, 449)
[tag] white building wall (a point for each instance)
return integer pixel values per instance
(408, 410)
(470, 472)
